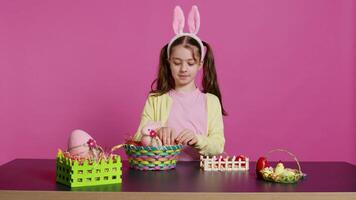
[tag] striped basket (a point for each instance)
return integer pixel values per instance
(152, 158)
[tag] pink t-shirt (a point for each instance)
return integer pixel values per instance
(188, 111)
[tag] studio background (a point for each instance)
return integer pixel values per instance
(286, 69)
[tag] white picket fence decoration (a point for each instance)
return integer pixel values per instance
(223, 164)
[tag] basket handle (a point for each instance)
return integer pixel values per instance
(116, 147)
(283, 150)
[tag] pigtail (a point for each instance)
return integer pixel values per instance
(164, 81)
(210, 79)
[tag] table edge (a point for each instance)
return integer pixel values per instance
(23, 194)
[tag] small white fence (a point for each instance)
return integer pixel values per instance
(223, 163)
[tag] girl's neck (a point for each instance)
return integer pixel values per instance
(186, 88)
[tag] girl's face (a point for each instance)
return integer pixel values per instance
(183, 66)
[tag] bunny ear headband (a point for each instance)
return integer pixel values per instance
(193, 23)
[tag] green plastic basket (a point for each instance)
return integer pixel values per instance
(152, 158)
(75, 174)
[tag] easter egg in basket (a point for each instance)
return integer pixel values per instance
(77, 143)
(149, 136)
(261, 164)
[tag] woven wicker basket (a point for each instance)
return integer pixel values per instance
(152, 158)
(294, 176)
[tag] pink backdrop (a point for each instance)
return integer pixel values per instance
(286, 70)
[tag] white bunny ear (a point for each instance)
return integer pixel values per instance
(178, 20)
(194, 20)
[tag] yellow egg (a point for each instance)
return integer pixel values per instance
(279, 168)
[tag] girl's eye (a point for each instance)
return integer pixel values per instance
(177, 63)
(191, 64)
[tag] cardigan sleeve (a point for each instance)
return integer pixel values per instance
(146, 115)
(214, 142)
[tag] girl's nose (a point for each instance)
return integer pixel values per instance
(183, 68)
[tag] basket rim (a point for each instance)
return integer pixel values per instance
(149, 148)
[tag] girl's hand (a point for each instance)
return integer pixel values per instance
(187, 137)
(166, 135)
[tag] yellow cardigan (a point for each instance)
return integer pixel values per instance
(157, 109)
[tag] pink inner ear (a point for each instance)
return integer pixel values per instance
(178, 20)
(194, 20)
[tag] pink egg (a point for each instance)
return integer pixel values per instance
(147, 138)
(77, 143)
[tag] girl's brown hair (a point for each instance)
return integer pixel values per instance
(165, 82)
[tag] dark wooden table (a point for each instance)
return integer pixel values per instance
(35, 179)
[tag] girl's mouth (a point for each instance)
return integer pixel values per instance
(183, 76)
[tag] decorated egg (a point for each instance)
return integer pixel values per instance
(149, 135)
(261, 164)
(279, 168)
(78, 143)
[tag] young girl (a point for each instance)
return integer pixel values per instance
(176, 108)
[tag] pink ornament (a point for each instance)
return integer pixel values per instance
(153, 133)
(149, 134)
(91, 143)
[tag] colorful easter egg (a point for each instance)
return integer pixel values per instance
(77, 143)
